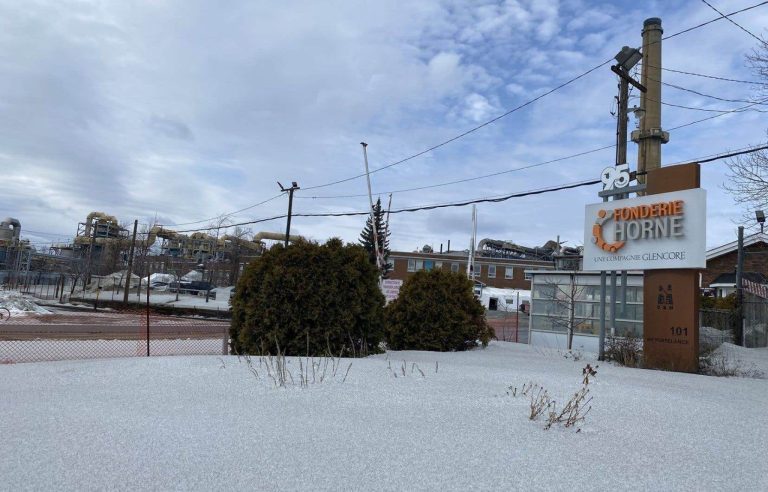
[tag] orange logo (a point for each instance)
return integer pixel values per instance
(597, 233)
(654, 221)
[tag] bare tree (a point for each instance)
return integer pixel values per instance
(561, 306)
(748, 174)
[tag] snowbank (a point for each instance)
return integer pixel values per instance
(205, 423)
(17, 304)
(113, 281)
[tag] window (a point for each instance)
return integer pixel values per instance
(478, 271)
(491, 271)
(428, 265)
(509, 272)
(411, 265)
(438, 265)
(419, 265)
(527, 276)
(455, 267)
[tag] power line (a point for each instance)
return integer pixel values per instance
(718, 155)
(465, 180)
(497, 199)
(722, 16)
(733, 154)
(225, 215)
(710, 76)
(527, 103)
(724, 111)
(475, 178)
(737, 110)
(728, 18)
(702, 94)
(471, 130)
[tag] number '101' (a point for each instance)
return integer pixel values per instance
(677, 330)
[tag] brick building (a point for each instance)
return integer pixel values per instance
(503, 273)
(721, 262)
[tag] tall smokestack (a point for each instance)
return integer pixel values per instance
(650, 136)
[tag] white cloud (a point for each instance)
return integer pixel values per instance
(477, 108)
(188, 110)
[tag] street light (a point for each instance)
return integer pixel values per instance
(628, 57)
(760, 216)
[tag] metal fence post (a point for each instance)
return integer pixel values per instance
(225, 342)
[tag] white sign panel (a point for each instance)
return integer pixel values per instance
(391, 288)
(651, 232)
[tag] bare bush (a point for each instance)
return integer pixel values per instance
(403, 369)
(311, 370)
(575, 409)
(625, 351)
(718, 364)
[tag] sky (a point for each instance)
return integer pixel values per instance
(179, 111)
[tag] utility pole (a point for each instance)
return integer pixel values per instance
(739, 322)
(290, 191)
(626, 59)
(130, 263)
(90, 252)
(650, 136)
(373, 210)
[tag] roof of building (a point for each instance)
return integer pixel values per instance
(756, 238)
(729, 278)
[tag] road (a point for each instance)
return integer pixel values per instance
(115, 326)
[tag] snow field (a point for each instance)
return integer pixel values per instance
(193, 423)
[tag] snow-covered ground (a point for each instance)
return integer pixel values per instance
(206, 423)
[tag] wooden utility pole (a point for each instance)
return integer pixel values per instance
(294, 187)
(739, 321)
(130, 263)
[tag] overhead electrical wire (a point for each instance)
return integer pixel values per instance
(224, 216)
(715, 77)
(703, 94)
(466, 180)
(737, 110)
(497, 199)
(722, 16)
(503, 115)
(728, 18)
(527, 103)
(475, 178)
(465, 133)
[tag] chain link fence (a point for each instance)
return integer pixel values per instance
(78, 335)
(755, 321)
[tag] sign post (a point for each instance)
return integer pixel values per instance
(664, 234)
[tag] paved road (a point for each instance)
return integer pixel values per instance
(100, 326)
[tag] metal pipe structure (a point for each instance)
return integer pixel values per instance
(373, 210)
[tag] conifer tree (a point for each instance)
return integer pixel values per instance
(367, 238)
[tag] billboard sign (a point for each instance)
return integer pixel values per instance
(662, 231)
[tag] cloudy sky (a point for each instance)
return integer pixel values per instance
(179, 111)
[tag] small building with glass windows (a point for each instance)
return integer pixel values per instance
(557, 293)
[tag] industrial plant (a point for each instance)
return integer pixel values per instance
(102, 245)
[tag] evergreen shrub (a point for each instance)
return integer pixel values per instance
(437, 311)
(308, 299)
